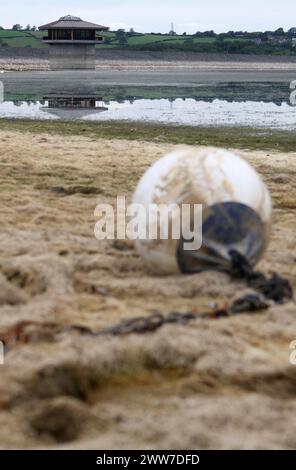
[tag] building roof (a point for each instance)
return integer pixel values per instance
(72, 22)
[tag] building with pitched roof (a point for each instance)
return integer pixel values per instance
(72, 42)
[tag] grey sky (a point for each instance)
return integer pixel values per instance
(156, 15)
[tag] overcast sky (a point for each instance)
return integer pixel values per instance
(157, 15)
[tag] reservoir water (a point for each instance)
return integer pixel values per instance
(197, 98)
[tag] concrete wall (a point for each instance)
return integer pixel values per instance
(72, 56)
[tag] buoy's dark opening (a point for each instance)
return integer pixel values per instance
(226, 227)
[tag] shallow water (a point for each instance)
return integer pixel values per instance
(259, 99)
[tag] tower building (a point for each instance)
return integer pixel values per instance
(72, 42)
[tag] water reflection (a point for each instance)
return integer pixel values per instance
(73, 107)
(256, 104)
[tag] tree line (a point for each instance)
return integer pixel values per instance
(19, 27)
(268, 42)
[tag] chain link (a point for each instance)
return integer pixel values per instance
(275, 289)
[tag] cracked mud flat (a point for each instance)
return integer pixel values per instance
(211, 384)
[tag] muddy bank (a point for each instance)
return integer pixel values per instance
(22, 59)
(172, 56)
(211, 384)
(32, 64)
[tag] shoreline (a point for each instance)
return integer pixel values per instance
(223, 136)
(31, 64)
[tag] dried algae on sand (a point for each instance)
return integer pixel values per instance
(209, 384)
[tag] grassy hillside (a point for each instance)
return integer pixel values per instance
(21, 39)
(160, 42)
(34, 39)
(151, 41)
(246, 44)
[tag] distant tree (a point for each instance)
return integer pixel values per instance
(34, 28)
(210, 34)
(17, 27)
(131, 33)
(205, 34)
(264, 37)
(184, 34)
(28, 27)
(119, 32)
(1, 27)
(230, 34)
(279, 32)
(121, 37)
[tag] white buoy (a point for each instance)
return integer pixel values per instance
(236, 206)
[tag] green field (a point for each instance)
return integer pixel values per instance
(144, 40)
(34, 39)
(21, 39)
(161, 42)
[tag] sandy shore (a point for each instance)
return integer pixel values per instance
(210, 384)
(27, 64)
